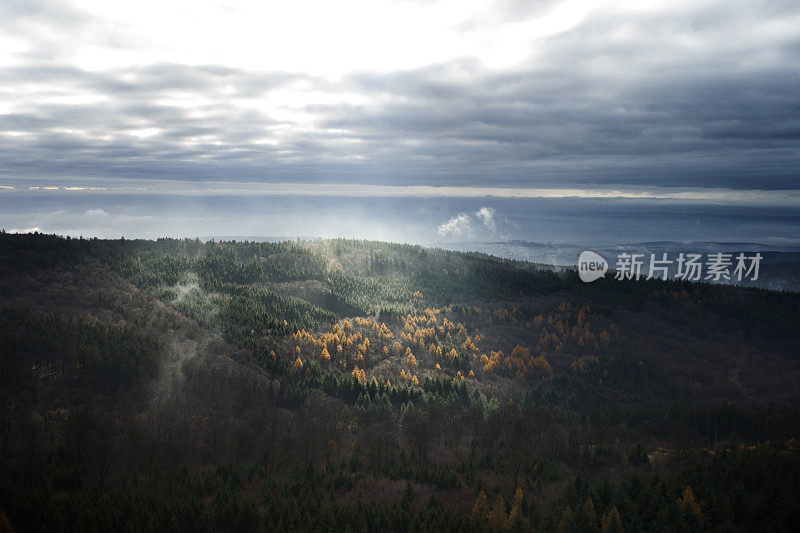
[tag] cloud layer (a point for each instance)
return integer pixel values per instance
(503, 94)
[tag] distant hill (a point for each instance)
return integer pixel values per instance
(780, 266)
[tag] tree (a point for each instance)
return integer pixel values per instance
(612, 522)
(586, 518)
(419, 432)
(690, 507)
(481, 507)
(566, 524)
(497, 518)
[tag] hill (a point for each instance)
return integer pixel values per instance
(180, 384)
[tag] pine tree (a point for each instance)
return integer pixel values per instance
(690, 507)
(515, 518)
(497, 518)
(566, 524)
(586, 518)
(612, 522)
(481, 507)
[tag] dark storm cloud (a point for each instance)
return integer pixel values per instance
(597, 111)
(691, 97)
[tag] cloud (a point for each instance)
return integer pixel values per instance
(86, 189)
(458, 226)
(27, 230)
(486, 215)
(480, 224)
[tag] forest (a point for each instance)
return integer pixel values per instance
(182, 385)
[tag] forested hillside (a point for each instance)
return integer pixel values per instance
(356, 385)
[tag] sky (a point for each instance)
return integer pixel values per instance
(457, 117)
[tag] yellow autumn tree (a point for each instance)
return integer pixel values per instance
(515, 517)
(565, 525)
(589, 515)
(541, 364)
(497, 517)
(689, 505)
(325, 355)
(385, 332)
(481, 507)
(612, 522)
(298, 363)
(359, 374)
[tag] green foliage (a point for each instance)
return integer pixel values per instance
(50, 348)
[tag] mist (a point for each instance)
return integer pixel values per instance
(425, 221)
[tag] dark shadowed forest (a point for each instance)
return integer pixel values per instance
(344, 385)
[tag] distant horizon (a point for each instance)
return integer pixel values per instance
(747, 246)
(780, 264)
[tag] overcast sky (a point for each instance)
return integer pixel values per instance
(616, 97)
(508, 93)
